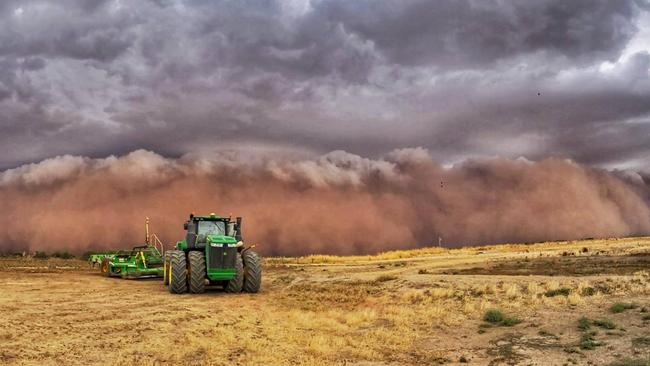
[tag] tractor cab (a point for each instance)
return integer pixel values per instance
(213, 229)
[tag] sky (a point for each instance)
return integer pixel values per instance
(468, 121)
(460, 78)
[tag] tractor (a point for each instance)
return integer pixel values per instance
(212, 253)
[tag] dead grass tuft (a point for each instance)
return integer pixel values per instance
(588, 340)
(604, 323)
(631, 362)
(385, 278)
(564, 291)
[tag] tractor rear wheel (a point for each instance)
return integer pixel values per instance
(106, 267)
(252, 271)
(236, 284)
(166, 269)
(177, 272)
(196, 276)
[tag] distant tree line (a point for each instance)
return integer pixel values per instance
(39, 254)
(62, 255)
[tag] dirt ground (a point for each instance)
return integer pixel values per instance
(422, 307)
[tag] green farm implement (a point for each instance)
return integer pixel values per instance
(141, 261)
(212, 253)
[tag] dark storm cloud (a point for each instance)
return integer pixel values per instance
(457, 33)
(68, 29)
(462, 78)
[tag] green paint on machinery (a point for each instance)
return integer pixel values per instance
(142, 261)
(212, 253)
(97, 258)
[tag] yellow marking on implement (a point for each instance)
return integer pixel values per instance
(143, 260)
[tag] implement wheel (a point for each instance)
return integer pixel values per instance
(177, 272)
(166, 269)
(105, 267)
(252, 271)
(196, 270)
(236, 284)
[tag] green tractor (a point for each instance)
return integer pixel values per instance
(212, 253)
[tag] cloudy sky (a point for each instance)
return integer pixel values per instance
(463, 79)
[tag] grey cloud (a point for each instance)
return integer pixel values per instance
(460, 78)
(71, 29)
(470, 33)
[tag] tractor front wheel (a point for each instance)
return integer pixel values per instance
(196, 272)
(252, 271)
(236, 284)
(177, 272)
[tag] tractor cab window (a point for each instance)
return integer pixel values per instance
(212, 228)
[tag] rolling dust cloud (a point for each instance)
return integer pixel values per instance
(337, 203)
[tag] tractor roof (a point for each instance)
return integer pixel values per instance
(211, 217)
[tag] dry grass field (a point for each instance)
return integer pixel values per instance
(563, 303)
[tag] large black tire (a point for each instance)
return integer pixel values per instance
(196, 275)
(252, 271)
(105, 267)
(237, 283)
(177, 272)
(166, 269)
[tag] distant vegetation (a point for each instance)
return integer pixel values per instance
(42, 255)
(63, 255)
